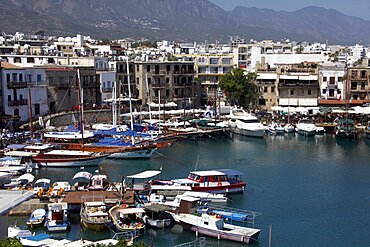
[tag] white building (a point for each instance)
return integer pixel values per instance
(332, 81)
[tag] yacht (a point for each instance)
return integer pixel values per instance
(306, 127)
(245, 124)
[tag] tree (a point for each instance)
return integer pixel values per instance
(239, 87)
(10, 242)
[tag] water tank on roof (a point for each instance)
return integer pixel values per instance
(60, 39)
(74, 39)
(68, 39)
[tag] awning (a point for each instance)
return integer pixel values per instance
(157, 208)
(16, 146)
(169, 104)
(231, 172)
(82, 175)
(27, 176)
(145, 174)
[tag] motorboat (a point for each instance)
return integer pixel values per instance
(127, 219)
(289, 128)
(212, 226)
(94, 215)
(207, 197)
(98, 182)
(57, 218)
(346, 129)
(22, 182)
(306, 127)
(320, 130)
(82, 180)
(58, 188)
(245, 124)
(37, 218)
(276, 128)
(41, 185)
(367, 130)
(221, 181)
(156, 216)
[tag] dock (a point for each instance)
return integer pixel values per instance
(110, 197)
(27, 207)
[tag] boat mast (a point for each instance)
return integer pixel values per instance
(270, 236)
(129, 96)
(80, 97)
(148, 97)
(30, 109)
(114, 105)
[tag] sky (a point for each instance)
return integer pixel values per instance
(358, 8)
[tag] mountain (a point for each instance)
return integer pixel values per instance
(177, 20)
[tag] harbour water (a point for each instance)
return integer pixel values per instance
(314, 191)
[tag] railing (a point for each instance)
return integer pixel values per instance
(18, 102)
(14, 84)
(200, 242)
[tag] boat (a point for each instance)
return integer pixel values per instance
(320, 130)
(207, 197)
(367, 130)
(127, 219)
(289, 128)
(227, 213)
(213, 226)
(245, 124)
(57, 219)
(156, 216)
(276, 128)
(82, 180)
(22, 182)
(345, 129)
(37, 218)
(98, 182)
(58, 188)
(94, 215)
(221, 181)
(41, 186)
(306, 127)
(68, 158)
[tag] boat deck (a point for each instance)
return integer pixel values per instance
(111, 197)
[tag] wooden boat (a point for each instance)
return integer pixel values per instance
(127, 219)
(57, 219)
(82, 180)
(98, 182)
(94, 215)
(213, 226)
(156, 216)
(346, 129)
(37, 218)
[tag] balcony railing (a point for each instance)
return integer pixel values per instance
(18, 102)
(291, 85)
(14, 84)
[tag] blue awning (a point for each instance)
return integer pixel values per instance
(16, 146)
(231, 172)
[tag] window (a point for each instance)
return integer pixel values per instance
(168, 80)
(8, 77)
(137, 68)
(340, 79)
(30, 60)
(291, 92)
(272, 89)
(20, 77)
(9, 98)
(168, 68)
(39, 78)
(309, 91)
(363, 74)
(157, 69)
(324, 91)
(265, 89)
(148, 68)
(332, 80)
(37, 109)
(324, 78)
(339, 91)
(20, 96)
(213, 61)
(17, 60)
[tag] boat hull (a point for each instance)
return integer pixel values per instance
(306, 132)
(229, 189)
(137, 154)
(93, 226)
(44, 162)
(251, 133)
(219, 234)
(53, 227)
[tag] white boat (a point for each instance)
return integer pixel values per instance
(206, 197)
(213, 226)
(82, 180)
(306, 127)
(245, 124)
(94, 215)
(41, 186)
(156, 216)
(99, 182)
(57, 218)
(289, 128)
(136, 154)
(276, 128)
(58, 188)
(5, 178)
(127, 219)
(22, 182)
(37, 218)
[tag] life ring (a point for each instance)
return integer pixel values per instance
(219, 184)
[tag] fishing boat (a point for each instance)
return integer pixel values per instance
(22, 182)
(94, 215)
(81, 180)
(306, 127)
(37, 218)
(213, 226)
(245, 124)
(127, 219)
(58, 188)
(41, 186)
(98, 182)
(57, 219)
(156, 216)
(221, 181)
(346, 129)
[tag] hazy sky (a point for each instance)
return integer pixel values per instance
(359, 8)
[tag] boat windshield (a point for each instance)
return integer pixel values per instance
(193, 176)
(306, 121)
(250, 120)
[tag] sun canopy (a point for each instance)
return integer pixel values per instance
(16, 146)
(157, 208)
(231, 172)
(145, 174)
(82, 175)
(27, 176)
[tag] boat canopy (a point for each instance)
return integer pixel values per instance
(169, 104)
(83, 175)
(20, 154)
(145, 174)
(157, 208)
(231, 172)
(27, 176)
(16, 146)
(8, 159)
(131, 210)
(119, 133)
(42, 181)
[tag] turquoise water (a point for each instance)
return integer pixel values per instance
(314, 191)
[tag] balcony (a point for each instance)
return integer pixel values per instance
(91, 85)
(15, 85)
(158, 85)
(293, 85)
(18, 102)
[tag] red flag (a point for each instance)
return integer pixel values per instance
(340, 98)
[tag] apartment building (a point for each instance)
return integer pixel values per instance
(267, 84)
(332, 82)
(358, 87)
